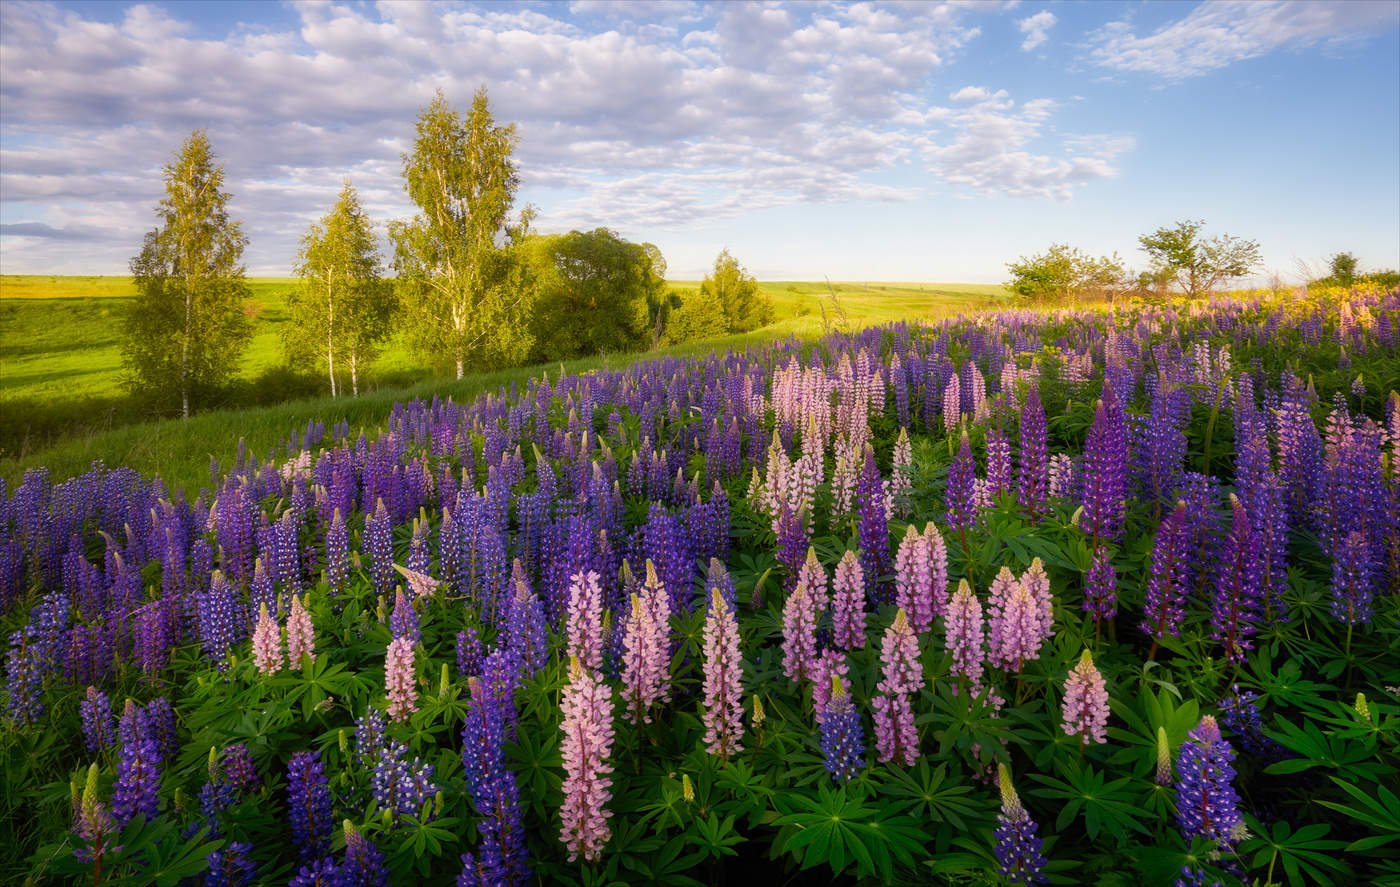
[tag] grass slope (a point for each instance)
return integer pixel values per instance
(60, 348)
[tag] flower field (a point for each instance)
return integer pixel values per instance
(1080, 597)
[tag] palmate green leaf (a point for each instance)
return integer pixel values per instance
(1318, 749)
(1107, 807)
(1305, 855)
(935, 797)
(1381, 813)
(834, 827)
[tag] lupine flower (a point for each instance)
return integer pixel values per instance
(848, 605)
(646, 659)
(1207, 805)
(403, 619)
(1063, 479)
(222, 620)
(901, 475)
(1037, 584)
(718, 577)
(501, 858)
(799, 635)
(843, 742)
(813, 575)
(267, 644)
(25, 678)
(1165, 604)
(998, 463)
(399, 679)
(1101, 587)
(301, 635)
(1085, 706)
(1163, 775)
(921, 576)
(420, 584)
(99, 725)
(831, 663)
(724, 695)
(960, 495)
(1014, 623)
(585, 623)
(309, 805)
(964, 635)
(1237, 601)
(363, 865)
(1352, 585)
(896, 738)
(586, 748)
(1018, 844)
(231, 866)
(337, 554)
(952, 403)
(138, 771)
(91, 820)
(1105, 491)
(1032, 470)
(872, 526)
(379, 545)
(400, 786)
(322, 872)
(469, 652)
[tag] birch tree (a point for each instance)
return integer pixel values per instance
(187, 329)
(455, 259)
(343, 311)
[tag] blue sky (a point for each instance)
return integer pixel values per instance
(884, 141)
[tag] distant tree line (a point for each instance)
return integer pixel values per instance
(470, 285)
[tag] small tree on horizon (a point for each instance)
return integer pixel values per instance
(344, 306)
(1196, 263)
(1063, 272)
(187, 329)
(731, 287)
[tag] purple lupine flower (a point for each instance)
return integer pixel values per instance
(1015, 623)
(309, 805)
(585, 622)
(799, 635)
(231, 866)
(99, 725)
(1101, 587)
(378, 543)
(152, 638)
(403, 620)
(1239, 713)
(960, 494)
(848, 604)
(1236, 605)
(1032, 474)
(138, 771)
(718, 578)
(221, 622)
(724, 694)
(1018, 844)
(1299, 447)
(525, 622)
(1084, 711)
(399, 683)
(1352, 583)
(1207, 805)
(160, 722)
(896, 737)
(1165, 604)
(586, 748)
(872, 526)
(1105, 492)
(337, 554)
(469, 652)
(363, 865)
(502, 855)
(998, 463)
(964, 635)
(322, 872)
(400, 786)
(842, 739)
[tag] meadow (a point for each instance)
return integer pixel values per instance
(1076, 597)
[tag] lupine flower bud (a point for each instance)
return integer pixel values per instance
(1163, 775)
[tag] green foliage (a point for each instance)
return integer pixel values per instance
(736, 292)
(1196, 263)
(593, 293)
(186, 330)
(344, 307)
(460, 283)
(1062, 273)
(696, 318)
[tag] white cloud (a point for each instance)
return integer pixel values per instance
(1036, 28)
(1215, 35)
(698, 114)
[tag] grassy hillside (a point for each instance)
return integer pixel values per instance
(60, 362)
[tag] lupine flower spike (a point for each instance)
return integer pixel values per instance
(267, 644)
(301, 635)
(842, 741)
(1207, 805)
(1085, 707)
(724, 700)
(586, 748)
(1018, 844)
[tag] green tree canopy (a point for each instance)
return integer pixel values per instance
(187, 330)
(593, 292)
(344, 308)
(1343, 267)
(454, 259)
(1198, 264)
(1063, 272)
(736, 292)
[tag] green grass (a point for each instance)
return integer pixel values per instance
(60, 355)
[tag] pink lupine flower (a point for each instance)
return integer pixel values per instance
(1037, 583)
(399, 680)
(952, 404)
(848, 609)
(588, 739)
(896, 738)
(1085, 708)
(301, 635)
(724, 695)
(1014, 623)
(420, 584)
(585, 623)
(921, 576)
(267, 644)
(938, 571)
(646, 657)
(799, 635)
(829, 670)
(813, 575)
(965, 634)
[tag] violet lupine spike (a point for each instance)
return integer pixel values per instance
(964, 634)
(872, 527)
(99, 724)
(363, 865)
(1207, 805)
(1084, 711)
(842, 740)
(1032, 470)
(135, 792)
(960, 496)
(337, 554)
(403, 619)
(1105, 494)
(1018, 844)
(1237, 600)
(1165, 603)
(92, 821)
(1015, 623)
(301, 634)
(309, 805)
(379, 545)
(896, 738)
(799, 635)
(267, 644)
(586, 748)
(848, 605)
(724, 694)
(585, 622)
(718, 578)
(1353, 587)
(221, 618)
(501, 857)
(1101, 587)
(399, 682)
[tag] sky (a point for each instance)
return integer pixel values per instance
(902, 141)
